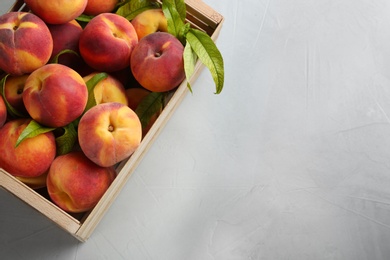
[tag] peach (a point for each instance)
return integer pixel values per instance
(108, 133)
(32, 157)
(55, 95)
(13, 90)
(107, 42)
(107, 90)
(95, 7)
(157, 62)
(3, 111)
(26, 43)
(57, 11)
(135, 97)
(150, 21)
(34, 182)
(66, 37)
(76, 184)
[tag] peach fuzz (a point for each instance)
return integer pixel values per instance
(26, 43)
(13, 91)
(76, 184)
(3, 111)
(107, 90)
(149, 21)
(57, 11)
(107, 42)
(66, 37)
(32, 157)
(157, 62)
(108, 133)
(95, 7)
(55, 95)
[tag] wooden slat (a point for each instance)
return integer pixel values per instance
(203, 12)
(38, 202)
(16, 6)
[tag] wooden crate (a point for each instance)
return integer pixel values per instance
(81, 226)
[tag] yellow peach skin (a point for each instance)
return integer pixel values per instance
(25, 43)
(13, 90)
(55, 95)
(107, 90)
(109, 133)
(149, 21)
(76, 184)
(34, 182)
(32, 157)
(57, 11)
(95, 7)
(107, 42)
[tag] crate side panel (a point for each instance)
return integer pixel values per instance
(38, 202)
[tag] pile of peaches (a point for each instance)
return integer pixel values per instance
(48, 61)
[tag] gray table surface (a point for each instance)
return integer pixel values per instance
(291, 161)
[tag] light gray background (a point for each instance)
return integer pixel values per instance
(291, 161)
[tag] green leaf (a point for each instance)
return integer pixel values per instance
(149, 106)
(189, 57)
(183, 32)
(176, 26)
(134, 7)
(180, 7)
(10, 109)
(208, 53)
(55, 58)
(33, 129)
(84, 18)
(91, 83)
(66, 141)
